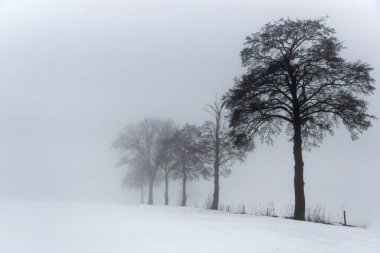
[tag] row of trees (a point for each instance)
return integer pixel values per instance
(295, 81)
(157, 150)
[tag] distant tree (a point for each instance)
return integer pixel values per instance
(139, 144)
(220, 144)
(136, 179)
(166, 155)
(190, 152)
(297, 79)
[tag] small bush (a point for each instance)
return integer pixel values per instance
(208, 202)
(264, 210)
(317, 215)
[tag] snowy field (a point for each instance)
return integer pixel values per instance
(52, 227)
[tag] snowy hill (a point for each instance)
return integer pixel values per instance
(45, 227)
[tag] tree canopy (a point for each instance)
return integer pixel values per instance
(295, 73)
(296, 80)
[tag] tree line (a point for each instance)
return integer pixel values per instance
(296, 82)
(158, 150)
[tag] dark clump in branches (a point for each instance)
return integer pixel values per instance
(296, 80)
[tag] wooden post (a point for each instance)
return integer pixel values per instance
(344, 217)
(228, 209)
(243, 209)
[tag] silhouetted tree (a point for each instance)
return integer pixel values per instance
(166, 155)
(190, 152)
(297, 79)
(220, 144)
(139, 144)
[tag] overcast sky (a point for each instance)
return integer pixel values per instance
(73, 73)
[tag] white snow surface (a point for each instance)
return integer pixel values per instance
(55, 227)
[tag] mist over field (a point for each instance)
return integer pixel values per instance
(75, 73)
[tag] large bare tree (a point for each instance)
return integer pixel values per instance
(297, 80)
(223, 152)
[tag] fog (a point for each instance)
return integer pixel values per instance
(74, 73)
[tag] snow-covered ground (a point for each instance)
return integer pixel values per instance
(51, 227)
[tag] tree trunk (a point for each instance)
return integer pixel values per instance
(150, 197)
(215, 201)
(184, 189)
(166, 188)
(299, 208)
(142, 195)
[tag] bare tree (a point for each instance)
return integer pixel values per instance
(296, 79)
(139, 144)
(223, 152)
(166, 155)
(190, 151)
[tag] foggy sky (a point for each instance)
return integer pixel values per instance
(74, 73)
